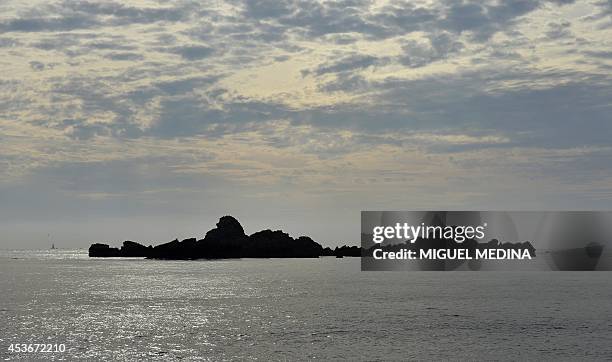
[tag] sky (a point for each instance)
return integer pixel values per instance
(149, 120)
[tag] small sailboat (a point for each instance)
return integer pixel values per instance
(49, 240)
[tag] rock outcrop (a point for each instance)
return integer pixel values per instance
(103, 251)
(133, 249)
(227, 240)
(343, 251)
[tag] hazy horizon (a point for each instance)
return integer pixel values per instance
(148, 120)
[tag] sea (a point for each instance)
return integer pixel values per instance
(295, 309)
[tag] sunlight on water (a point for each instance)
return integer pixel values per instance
(295, 309)
(59, 254)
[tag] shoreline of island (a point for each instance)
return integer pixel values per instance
(227, 241)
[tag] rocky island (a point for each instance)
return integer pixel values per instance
(227, 240)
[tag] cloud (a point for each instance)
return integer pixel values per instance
(603, 54)
(127, 106)
(193, 52)
(8, 42)
(70, 15)
(42, 24)
(605, 9)
(59, 41)
(484, 19)
(559, 30)
(262, 9)
(346, 82)
(348, 63)
(84, 131)
(315, 19)
(180, 86)
(37, 65)
(122, 14)
(190, 115)
(438, 47)
(124, 56)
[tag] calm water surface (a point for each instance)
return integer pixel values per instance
(296, 309)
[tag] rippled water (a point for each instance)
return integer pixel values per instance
(296, 309)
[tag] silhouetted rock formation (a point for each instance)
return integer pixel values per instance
(327, 252)
(576, 240)
(342, 251)
(585, 258)
(227, 240)
(129, 249)
(132, 249)
(103, 251)
(346, 250)
(277, 244)
(174, 250)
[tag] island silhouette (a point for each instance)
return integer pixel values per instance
(227, 240)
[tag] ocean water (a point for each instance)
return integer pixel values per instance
(295, 309)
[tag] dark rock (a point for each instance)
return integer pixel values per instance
(327, 252)
(277, 244)
(345, 250)
(103, 251)
(228, 226)
(175, 249)
(132, 249)
(228, 240)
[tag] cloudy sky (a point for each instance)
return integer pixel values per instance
(149, 120)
